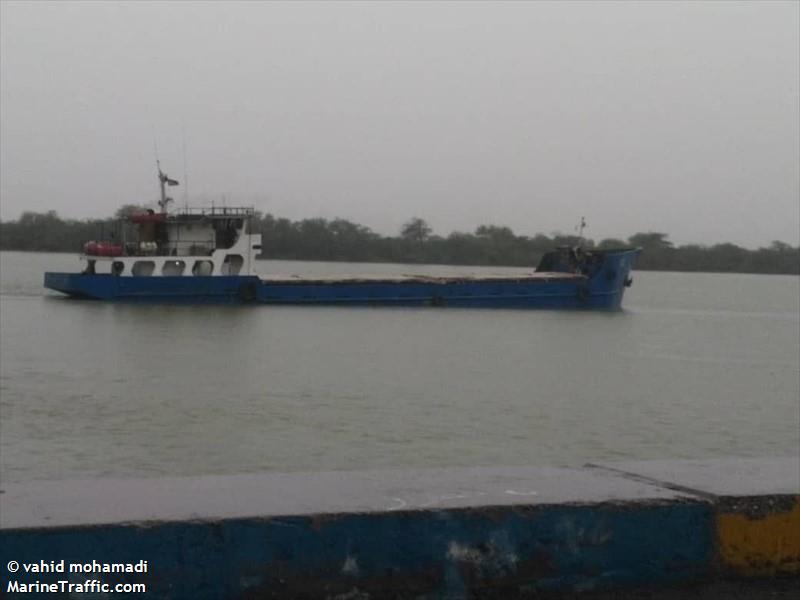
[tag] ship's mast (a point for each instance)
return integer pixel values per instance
(164, 181)
(579, 228)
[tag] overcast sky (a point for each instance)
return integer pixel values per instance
(671, 117)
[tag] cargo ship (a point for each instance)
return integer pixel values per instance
(208, 255)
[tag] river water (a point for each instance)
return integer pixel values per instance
(695, 366)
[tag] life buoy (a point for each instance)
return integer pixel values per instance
(248, 291)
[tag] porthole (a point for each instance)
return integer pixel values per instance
(143, 268)
(232, 264)
(202, 268)
(173, 268)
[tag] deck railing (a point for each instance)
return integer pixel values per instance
(216, 211)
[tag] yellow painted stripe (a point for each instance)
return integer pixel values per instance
(759, 546)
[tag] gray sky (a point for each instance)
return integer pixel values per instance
(672, 117)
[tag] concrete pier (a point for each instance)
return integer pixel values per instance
(444, 533)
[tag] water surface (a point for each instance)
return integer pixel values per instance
(696, 366)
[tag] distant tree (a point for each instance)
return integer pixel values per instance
(778, 246)
(127, 210)
(658, 255)
(650, 239)
(32, 219)
(609, 243)
(416, 230)
(571, 240)
(728, 257)
(339, 239)
(541, 243)
(493, 232)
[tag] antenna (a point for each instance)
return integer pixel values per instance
(579, 228)
(163, 200)
(185, 172)
(155, 143)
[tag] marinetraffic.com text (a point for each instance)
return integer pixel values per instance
(59, 576)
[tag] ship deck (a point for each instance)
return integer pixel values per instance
(410, 278)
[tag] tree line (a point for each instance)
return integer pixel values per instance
(416, 242)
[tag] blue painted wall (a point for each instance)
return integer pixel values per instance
(454, 553)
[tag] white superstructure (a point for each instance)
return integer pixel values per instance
(202, 242)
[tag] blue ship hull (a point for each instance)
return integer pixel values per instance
(602, 287)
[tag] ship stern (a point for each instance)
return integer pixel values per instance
(79, 285)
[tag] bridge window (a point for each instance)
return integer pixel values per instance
(202, 268)
(173, 268)
(232, 264)
(143, 268)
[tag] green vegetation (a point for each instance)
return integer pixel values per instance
(341, 240)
